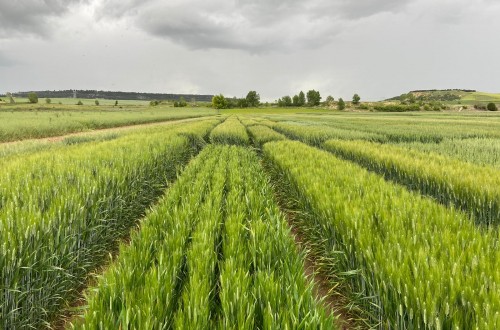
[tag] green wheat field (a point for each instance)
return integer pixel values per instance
(163, 218)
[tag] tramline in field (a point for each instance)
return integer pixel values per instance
(215, 253)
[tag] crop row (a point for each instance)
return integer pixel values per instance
(480, 151)
(262, 134)
(417, 263)
(472, 188)
(317, 134)
(61, 214)
(215, 253)
(231, 131)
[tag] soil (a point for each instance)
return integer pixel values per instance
(334, 303)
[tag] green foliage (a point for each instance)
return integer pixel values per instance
(471, 188)
(397, 108)
(313, 98)
(492, 107)
(48, 101)
(295, 101)
(231, 131)
(411, 262)
(38, 124)
(242, 103)
(215, 253)
(181, 103)
(285, 101)
(79, 102)
(480, 151)
(116, 103)
(62, 234)
(317, 134)
(329, 100)
(96, 102)
(33, 97)
(253, 99)
(341, 104)
(356, 99)
(302, 99)
(219, 102)
(262, 134)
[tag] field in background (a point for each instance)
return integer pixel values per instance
(37, 121)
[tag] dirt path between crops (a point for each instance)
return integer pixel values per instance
(334, 303)
(59, 138)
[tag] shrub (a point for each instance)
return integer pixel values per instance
(492, 107)
(48, 101)
(33, 98)
(79, 102)
(341, 104)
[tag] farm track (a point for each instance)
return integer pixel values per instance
(58, 138)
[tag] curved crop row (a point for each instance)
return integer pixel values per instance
(480, 151)
(317, 134)
(215, 254)
(262, 134)
(231, 131)
(61, 214)
(416, 263)
(472, 188)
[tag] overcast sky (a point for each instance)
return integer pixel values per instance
(377, 48)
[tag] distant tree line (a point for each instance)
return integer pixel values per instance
(94, 94)
(252, 100)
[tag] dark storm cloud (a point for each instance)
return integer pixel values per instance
(255, 26)
(31, 17)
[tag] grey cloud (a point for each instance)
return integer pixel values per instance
(6, 61)
(254, 26)
(365, 8)
(31, 16)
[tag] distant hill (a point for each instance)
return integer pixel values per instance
(94, 94)
(464, 96)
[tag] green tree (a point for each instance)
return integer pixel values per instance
(341, 104)
(329, 100)
(48, 101)
(295, 100)
(116, 103)
(79, 102)
(253, 99)
(33, 97)
(313, 98)
(219, 102)
(242, 103)
(96, 102)
(287, 101)
(492, 107)
(302, 99)
(355, 99)
(182, 102)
